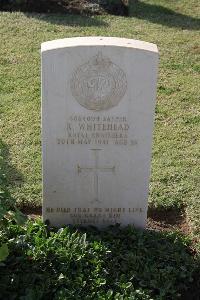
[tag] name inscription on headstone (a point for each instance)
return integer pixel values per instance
(98, 105)
(96, 130)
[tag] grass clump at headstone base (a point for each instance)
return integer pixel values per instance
(90, 264)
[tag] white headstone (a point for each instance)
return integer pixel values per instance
(98, 101)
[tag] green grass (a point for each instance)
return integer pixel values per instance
(173, 26)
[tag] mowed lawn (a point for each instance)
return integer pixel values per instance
(174, 27)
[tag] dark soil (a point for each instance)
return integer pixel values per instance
(167, 220)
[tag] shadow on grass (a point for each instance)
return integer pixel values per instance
(162, 15)
(9, 175)
(68, 19)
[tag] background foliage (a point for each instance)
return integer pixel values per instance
(79, 6)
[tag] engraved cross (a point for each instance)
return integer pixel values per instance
(95, 170)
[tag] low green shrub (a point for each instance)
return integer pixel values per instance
(90, 264)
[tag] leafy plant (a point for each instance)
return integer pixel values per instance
(90, 264)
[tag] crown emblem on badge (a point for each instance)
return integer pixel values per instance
(99, 84)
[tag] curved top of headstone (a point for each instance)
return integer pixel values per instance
(98, 41)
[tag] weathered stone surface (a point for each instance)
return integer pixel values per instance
(98, 100)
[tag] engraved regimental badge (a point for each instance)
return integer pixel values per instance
(98, 84)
